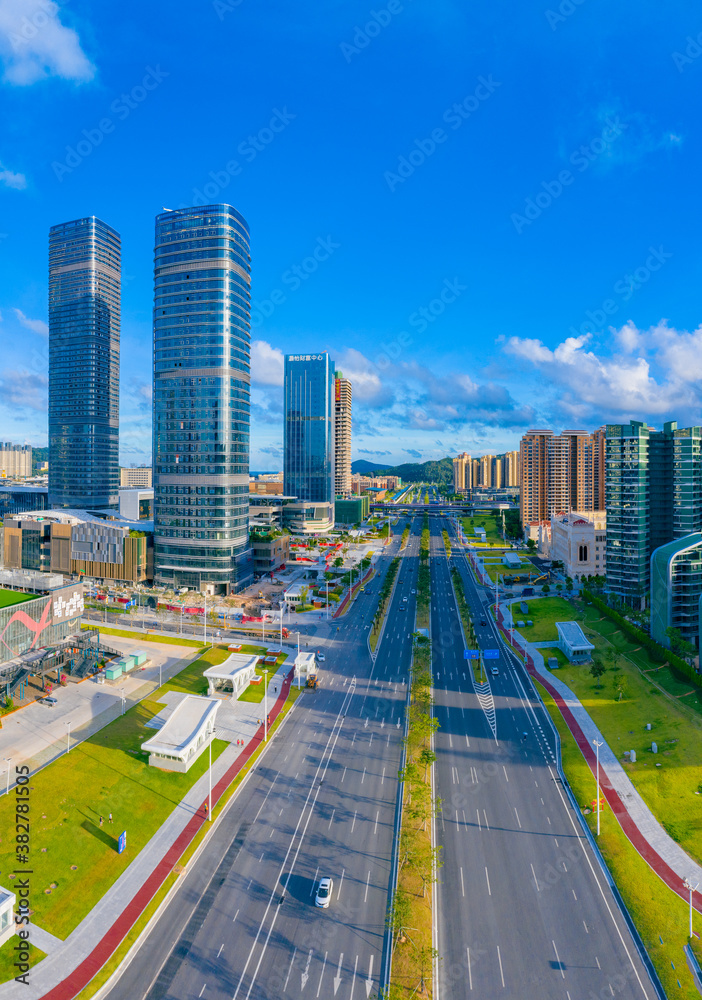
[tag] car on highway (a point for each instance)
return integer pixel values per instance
(494, 671)
(324, 892)
(320, 657)
(483, 622)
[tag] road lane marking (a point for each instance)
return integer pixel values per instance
(560, 965)
(382, 780)
(271, 833)
(324, 965)
(363, 775)
(314, 880)
(220, 950)
(202, 990)
(518, 819)
(470, 973)
(499, 959)
(477, 812)
(261, 859)
(556, 839)
(488, 881)
(343, 775)
(585, 926)
(365, 898)
(487, 825)
(332, 817)
(370, 740)
(467, 742)
(574, 896)
(341, 882)
(598, 962)
(463, 888)
(536, 881)
(450, 740)
(505, 770)
(354, 820)
(289, 970)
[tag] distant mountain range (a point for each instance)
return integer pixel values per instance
(412, 472)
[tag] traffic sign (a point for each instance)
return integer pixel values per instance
(491, 654)
(122, 842)
(471, 654)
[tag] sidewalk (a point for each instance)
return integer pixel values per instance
(71, 964)
(667, 859)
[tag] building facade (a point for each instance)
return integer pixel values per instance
(201, 407)
(462, 473)
(309, 436)
(579, 541)
(15, 461)
(84, 342)
(343, 396)
(136, 477)
(352, 510)
(29, 622)
(560, 473)
(510, 469)
(676, 589)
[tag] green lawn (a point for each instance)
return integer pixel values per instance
(107, 773)
(498, 569)
(9, 597)
(660, 915)
(487, 521)
(147, 636)
(544, 612)
(254, 692)
(8, 956)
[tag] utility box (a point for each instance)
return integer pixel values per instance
(654, 748)
(632, 756)
(524, 608)
(112, 673)
(648, 726)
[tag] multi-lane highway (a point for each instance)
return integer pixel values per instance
(523, 907)
(322, 802)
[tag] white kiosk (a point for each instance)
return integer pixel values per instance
(7, 917)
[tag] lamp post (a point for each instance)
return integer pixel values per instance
(265, 706)
(209, 800)
(124, 698)
(282, 603)
(205, 619)
(687, 882)
(68, 736)
(597, 751)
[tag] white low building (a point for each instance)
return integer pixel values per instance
(305, 664)
(573, 642)
(233, 676)
(186, 733)
(579, 541)
(7, 916)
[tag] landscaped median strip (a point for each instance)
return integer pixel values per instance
(89, 967)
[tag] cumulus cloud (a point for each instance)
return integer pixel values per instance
(36, 45)
(267, 363)
(637, 373)
(412, 452)
(12, 180)
(35, 325)
(21, 389)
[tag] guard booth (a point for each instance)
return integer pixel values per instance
(305, 668)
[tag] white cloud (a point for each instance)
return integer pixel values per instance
(267, 363)
(368, 386)
(35, 45)
(12, 180)
(23, 390)
(35, 325)
(637, 374)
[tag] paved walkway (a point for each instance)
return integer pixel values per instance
(667, 859)
(71, 964)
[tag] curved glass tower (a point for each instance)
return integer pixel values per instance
(84, 330)
(202, 278)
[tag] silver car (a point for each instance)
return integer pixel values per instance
(324, 892)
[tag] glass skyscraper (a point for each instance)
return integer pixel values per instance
(309, 436)
(202, 307)
(84, 332)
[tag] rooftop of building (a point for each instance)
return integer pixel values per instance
(183, 725)
(573, 635)
(8, 598)
(29, 579)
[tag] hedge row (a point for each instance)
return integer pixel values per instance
(657, 652)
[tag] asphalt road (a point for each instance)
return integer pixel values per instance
(523, 907)
(322, 802)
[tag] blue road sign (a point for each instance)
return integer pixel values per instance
(122, 842)
(471, 654)
(491, 654)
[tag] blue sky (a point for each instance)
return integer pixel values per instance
(503, 198)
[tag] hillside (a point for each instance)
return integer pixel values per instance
(411, 472)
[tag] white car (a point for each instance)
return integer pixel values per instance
(324, 892)
(321, 657)
(495, 672)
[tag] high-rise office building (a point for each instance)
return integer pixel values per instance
(202, 277)
(462, 473)
(140, 476)
(309, 438)
(84, 334)
(342, 435)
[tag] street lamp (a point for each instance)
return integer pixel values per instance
(205, 620)
(68, 736)
(265, 706)
(687, 882)
(124, 698)
(209, 800)
(598, 745)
